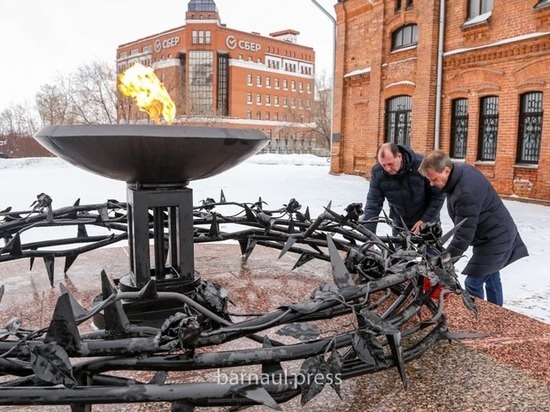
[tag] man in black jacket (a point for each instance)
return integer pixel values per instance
(488, 227)
(396, 178)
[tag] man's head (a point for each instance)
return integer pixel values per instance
(390, 158)
(436, 167)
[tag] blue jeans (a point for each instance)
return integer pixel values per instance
(493, 287)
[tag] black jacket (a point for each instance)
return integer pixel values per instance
(409, 194)
(489, 227)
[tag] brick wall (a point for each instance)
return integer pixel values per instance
(498, 56)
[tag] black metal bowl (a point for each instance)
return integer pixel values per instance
(151, 154)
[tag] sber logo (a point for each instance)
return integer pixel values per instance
(166, 43)
(233, 43)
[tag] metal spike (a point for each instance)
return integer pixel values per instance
(63, 328)
(81, 232)
(451, 232)
(249, 215)
(222, 197)
(69, 260)
(243, 243)
(259, 395)
(15, 247)
(149, 291)
(114, 316)
(404, 226)
(340, 274)
(49, 262)
(289, 242)
(77, 308)
(394, 341)
(302, 260)
(249, 248)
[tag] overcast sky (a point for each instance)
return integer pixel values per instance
(40, 39)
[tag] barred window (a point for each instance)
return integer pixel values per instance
(488, 128)
(530, 128)
(459, 128)
(405, 36)
(398, 120)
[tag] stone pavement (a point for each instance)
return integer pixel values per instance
(507, 371)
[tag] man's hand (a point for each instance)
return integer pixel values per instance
(418, 226)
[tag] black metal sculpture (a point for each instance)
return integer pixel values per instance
(386, 285)
(387, 297)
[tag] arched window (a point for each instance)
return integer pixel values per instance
(405, 36)
(488, 128)
(530, 128)
(459, 128)
(398, 120)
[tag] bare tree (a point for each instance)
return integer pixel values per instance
(93, 93)
(17, 125)
(53, 105)
(322, 110)
(87, 96)
(314, 117)
(18, 120)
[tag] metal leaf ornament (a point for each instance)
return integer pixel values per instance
(51, 363)
(312, 376)
(336, 364)
(368, 349)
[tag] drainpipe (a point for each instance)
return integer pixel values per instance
(333, 20)
(439, 79)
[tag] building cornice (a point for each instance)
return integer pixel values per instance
(497, 50)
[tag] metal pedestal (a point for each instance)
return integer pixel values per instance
(172, 250)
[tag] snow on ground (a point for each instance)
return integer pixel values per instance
(277, 179)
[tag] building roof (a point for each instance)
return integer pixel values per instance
(202, 5)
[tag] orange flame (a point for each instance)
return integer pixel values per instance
(150, 95)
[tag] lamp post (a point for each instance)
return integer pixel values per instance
(333, 20)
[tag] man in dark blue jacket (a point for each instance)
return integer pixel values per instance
(396, 178)
(488, 227)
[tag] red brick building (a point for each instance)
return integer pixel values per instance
(470, 77)
(230, 78)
